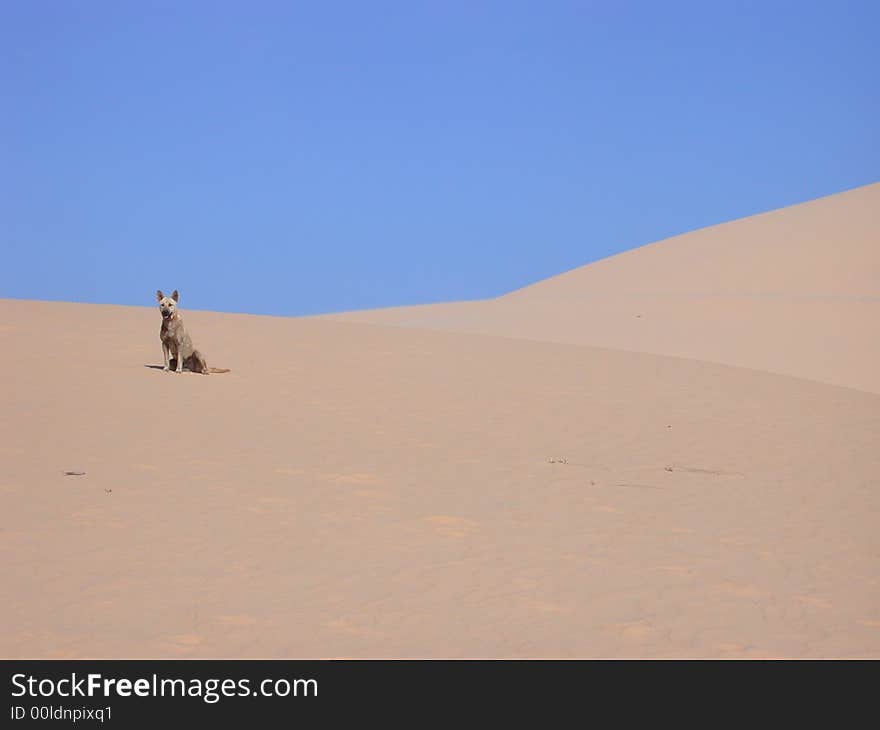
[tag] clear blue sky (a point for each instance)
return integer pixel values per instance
(294, 158)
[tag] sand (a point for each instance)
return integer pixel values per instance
(516, 487)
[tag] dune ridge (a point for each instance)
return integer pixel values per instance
(794, 291)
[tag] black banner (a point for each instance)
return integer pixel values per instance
(146, 693)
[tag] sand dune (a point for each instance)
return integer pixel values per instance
(795, 291)
(673, 452)
(371, 491)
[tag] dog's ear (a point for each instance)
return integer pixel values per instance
(159, 295)
(175, 296)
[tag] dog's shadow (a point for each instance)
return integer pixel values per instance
(172, 365)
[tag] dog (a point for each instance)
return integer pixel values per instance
(176, 342)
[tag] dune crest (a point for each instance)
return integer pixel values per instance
(794, 291)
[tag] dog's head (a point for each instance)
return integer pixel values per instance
(167, 305)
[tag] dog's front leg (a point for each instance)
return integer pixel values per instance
(179, 361)
(167, 355)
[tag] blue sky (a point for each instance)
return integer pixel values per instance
(294, 158)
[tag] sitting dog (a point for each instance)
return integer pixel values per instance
(176, 342)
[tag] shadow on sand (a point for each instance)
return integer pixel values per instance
(172, 365)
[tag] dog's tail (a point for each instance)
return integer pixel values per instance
(219, 370)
